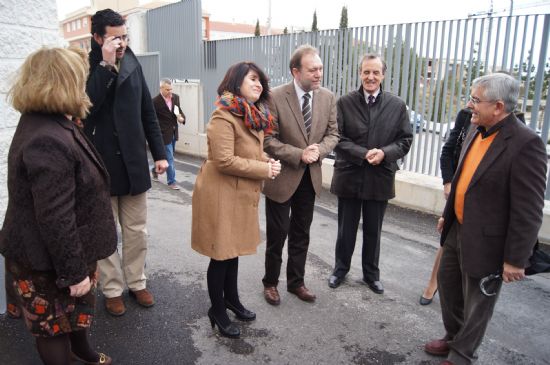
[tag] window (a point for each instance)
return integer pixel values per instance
(73, 25)
(68, 27)
(84, 22)
(78, 24)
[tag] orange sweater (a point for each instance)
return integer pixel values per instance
(469, 166)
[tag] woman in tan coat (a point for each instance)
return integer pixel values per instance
(227, 189)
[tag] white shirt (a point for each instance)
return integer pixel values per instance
(300, 93)
(367, 94)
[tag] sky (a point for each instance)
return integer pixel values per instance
(298, 14)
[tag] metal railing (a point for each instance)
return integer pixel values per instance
(430, 64)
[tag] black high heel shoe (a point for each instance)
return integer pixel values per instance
(244, 314)
(230, 330)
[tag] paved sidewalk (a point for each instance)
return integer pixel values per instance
(348, 325)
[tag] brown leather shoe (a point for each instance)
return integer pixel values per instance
(143, 297)
(303, 293)
(115, 306)
(437, 347)
(271, 295)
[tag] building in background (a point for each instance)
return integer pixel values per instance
(76, 26)
(223, 30)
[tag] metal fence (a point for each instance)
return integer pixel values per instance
(175, 31)
(150, 64)
(430, 65)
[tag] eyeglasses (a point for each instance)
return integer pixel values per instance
(476, 101)
(123, 37)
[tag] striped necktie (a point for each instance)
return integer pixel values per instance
(306, 112)
(372, 99)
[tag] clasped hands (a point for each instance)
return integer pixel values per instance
(274, 168)
(311, 154)
(375, 156)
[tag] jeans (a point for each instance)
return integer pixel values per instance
(170, 171)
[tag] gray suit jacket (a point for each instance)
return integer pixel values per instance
(504, 201)
(289, 138)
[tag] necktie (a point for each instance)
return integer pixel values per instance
(371, 99)
(306, 112)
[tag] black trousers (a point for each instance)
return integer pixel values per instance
(349, 213)
(466, 311)
(293, 219)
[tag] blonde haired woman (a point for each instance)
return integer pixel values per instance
(59, 221)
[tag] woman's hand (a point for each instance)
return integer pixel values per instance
(81, 288)
(274, 168)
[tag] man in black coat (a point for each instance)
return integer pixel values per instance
(169, 113)
(121, 120)
(375, 132)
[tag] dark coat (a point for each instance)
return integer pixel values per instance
(384, 125)
(504, 201)
(168, 121)
(59, 213)
(121, 120)
(450, 152)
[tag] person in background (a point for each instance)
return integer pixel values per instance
(169, 114)
(375, 132)
(225, 222)
(304, 133)
(58, 222)
(121, 120)
(492, 216)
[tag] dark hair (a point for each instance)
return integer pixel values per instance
(298, 54)
(372, 56)
(234, 78)
(104, 18)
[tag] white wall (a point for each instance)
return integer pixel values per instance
(24, 27)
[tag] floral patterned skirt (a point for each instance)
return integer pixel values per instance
(48, 310)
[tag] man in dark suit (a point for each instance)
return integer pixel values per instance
(492, 216)
(375, 132)
(169, 113)
(121, 119)
(304, 132)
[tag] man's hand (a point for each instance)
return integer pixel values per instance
(447, 189)
(375, 156)
(81, 288)
(181, 119)
(161, 166)
(512, 273)
(108, 50)
(440, 224)
(311, 154)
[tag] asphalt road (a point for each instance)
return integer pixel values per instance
(348, 325)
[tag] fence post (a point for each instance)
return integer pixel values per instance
(2, 287)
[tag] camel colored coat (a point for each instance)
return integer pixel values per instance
(225, 220)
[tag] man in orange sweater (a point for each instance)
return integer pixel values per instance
(492, 217)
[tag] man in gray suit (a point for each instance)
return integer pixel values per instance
(492, 216)
(374, 133)
(304, 132)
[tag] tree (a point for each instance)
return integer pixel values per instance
(257, 30)
(314, 24)
(285, 31)
(344, 18)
